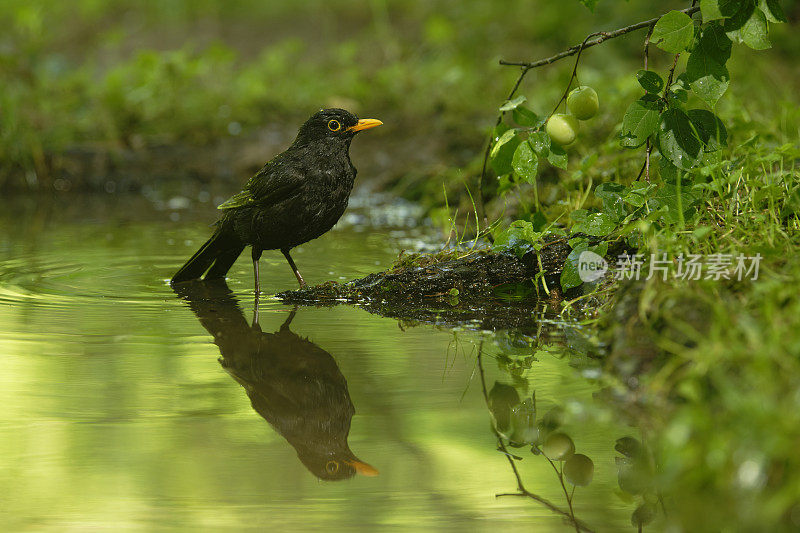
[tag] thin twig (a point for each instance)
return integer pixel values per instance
(560, 475)
(671, 75)
(649, 144)
(579, 525)
(574, 70)
(647, 45)
(604, 36)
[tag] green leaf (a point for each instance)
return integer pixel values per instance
(754, 32)
(502, 139)
(715, 43)
(668, 196)
(512, 104)
(677, 139)
(525, 163)
(650, 81)
(710, 129)
(503, 151)
(525, 117)
(557, 156)
(718, 9)
(595, 224)
(668, 171)
(638, 193)
(540, 141)
(570, 275)
(739, 13)
(748, 26)
(708, 78)
(678, 91)
(519, 238)
(772, 10)
(547, 149)
(673, 32)
(611, 195)
(640, 121)
(589, 4)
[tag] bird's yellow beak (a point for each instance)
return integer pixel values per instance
(365, 124)
(363, 468)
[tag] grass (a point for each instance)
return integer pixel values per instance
(721, 390)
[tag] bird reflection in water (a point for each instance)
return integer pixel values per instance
(292, 383)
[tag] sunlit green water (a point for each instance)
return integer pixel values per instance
(117, 413)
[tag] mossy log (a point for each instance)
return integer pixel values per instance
(490, 288)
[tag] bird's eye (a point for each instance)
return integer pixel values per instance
(334, 125)
(332, 466)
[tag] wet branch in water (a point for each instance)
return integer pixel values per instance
(568, 515)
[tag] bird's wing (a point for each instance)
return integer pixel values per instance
(272, 184)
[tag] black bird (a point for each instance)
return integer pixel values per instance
(292, 383)
(296, 197)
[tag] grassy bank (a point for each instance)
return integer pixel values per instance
(705, 365)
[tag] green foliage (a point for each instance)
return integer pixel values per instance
(596, 224)
(525, 163)
(678, 139)
(673, 32)
(650, 81)
(641, 120)
(570, 276)
(519, 237)
(685, 136)
(525, 117)
(705, 71)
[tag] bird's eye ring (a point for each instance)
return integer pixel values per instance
(334, 125)
(332, 466)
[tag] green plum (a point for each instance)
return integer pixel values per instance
(582, 102)
(579, 470)
(562, 128)
(558, 446)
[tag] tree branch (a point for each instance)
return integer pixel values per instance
(603, 36)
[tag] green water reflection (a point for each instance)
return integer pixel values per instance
(125, 405)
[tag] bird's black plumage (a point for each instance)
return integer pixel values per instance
(296, 197)
(292, 383)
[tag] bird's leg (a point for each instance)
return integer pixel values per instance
(255, 311)
(288, 257)
(285, 325)
(256, 256)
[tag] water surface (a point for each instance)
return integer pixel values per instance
(120, 410)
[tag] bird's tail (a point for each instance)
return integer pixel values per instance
(217, 256)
